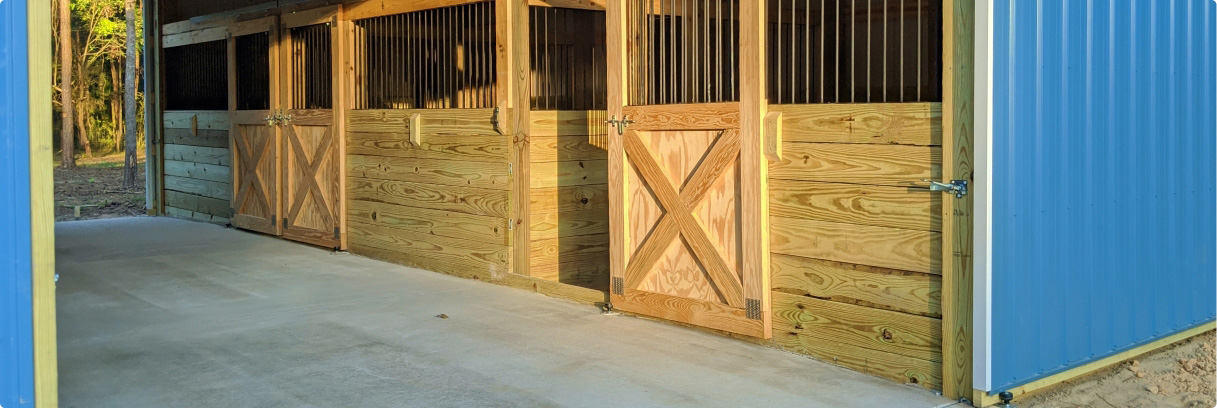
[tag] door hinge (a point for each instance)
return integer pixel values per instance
(284, 222)
(273, 220)
(511, 224)
(510, 168)
(336, 234)
(618, 286)
(753, 308)
(957, 187)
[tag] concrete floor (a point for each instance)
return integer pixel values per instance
(156, 312)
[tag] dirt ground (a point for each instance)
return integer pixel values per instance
(1177, 376)
(96, 184)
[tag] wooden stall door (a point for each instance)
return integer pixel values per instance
(255, 135)
(681, 218)
(312, 160)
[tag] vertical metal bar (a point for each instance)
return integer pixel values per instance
(869, 53)
(793, 57)
(672, 89)
(920, 18)
(885, 66)
(705, 62)
(718, 49)
(733, 43)
(853, 51)
(777, 61)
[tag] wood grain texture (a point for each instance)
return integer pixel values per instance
(197, 154)
(703, 116)
(569, 198)
(447, 147)
(199, 204)
(587, 274)
(491, 175)
(958, 80)
(892, 366)
(194, 37)
(893, 248)
(205, 188)
(201, 171)
(470, 254)
(890, 289)
(585, 248)
(568, 173)
(567, 123)
(416, 259)
(918, 123)
(376, 8)
(466, 200)
(464, 122)
(565, 148)
(859, 163)
(552, 225)
(551, 288)
(704, 314)
(571, 4)
(908, 335)
(200, 120)
(202, 137)
(195, 216)
(428, 221)
(881, 206)
(44, 329)
(754, 168)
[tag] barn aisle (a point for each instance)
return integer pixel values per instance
(157, 312)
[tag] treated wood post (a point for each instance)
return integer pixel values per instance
(957, 119)
(515, 94)
(754, 167)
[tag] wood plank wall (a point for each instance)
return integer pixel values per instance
(442, 204)
(569, 198)
(198, 168)
(856, 237)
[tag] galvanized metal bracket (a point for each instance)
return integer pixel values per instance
(753, 308)
(957, 187)
(618, 286)
(620, 124)
(336, 233)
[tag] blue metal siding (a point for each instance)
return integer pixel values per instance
(16, 330)
(1104, 179)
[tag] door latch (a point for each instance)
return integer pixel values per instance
(271, 119)
(620, 124)
(957, 187)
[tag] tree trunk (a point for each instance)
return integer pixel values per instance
(130, 108)
(66, 139)
(116, 106)
(82, 133)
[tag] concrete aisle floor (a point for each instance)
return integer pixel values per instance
(156, 312)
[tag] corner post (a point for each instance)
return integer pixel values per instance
(754, 167)
(513, 68)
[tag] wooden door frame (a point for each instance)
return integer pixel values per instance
(753, 105)
(958, 50)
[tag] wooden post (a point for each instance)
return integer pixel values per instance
(152, 109)
(754, 167)
(42, 202)
(957, 120)
(513, 92)
(618, 86)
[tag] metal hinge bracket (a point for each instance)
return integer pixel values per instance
(753, 308)
(957, 187)
(510, 168)
(336, 233)
(618, 286)
(284, 222)
(620, 124)
(511, 224)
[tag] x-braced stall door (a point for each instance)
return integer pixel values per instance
(255, 131)
(676, 181)
(312, 157)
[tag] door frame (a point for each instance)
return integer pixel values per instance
(754, 196)
(269, 25)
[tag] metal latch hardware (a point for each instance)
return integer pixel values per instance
(957, 187)
(620, 124)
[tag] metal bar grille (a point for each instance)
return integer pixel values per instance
(253, 71)
(855, 51)
(683, 51)
(312, 76)
(568, 59)
(196, 76)
(429, 59)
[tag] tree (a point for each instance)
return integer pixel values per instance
(65, 84)
(130, 102)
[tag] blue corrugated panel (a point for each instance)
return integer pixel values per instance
(16, 334)
(1104, 178)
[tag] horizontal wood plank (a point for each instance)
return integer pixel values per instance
(710, 315)
(568, 198)
(196, 120)
(859, 163)
(427, 221)
(917, 123)
(568, 224)
(567, 123)
(448, 147)
(471, 254)
(198, 154)
(199, 204)
(194, 37)
(204, 137)
(568, 173)
(419, 259)
(702, 116)
(467, 122)
(586, 248)
(201, 171)
(376, 8)
(909, 250)
(884, 206)
(908, 335)
(566, 148)
(902, 291)
(559, 290)
(491, 175)
(892, 366)
(205, 188)
(468, 200)
(195, 216)
(588, 274)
